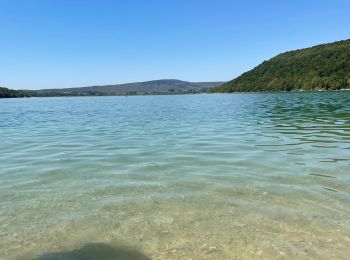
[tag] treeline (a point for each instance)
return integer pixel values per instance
(54, 93)
(10, 93)
(323, 67)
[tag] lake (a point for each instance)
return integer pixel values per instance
(219, 176)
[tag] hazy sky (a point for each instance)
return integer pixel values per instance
(51, 44)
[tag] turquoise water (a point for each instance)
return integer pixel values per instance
(240, 176)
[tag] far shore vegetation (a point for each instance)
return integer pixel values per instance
(322, 67)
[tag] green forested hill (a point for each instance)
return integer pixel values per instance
(164, 86)
(9, 93)
(322, 67)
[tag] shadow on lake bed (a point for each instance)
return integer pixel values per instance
(96, 251)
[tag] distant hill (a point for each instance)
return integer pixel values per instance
(322, 67)
(10, 93)
(164, 86)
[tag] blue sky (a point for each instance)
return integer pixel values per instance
(72, 43)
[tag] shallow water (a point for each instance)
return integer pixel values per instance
(240, 176)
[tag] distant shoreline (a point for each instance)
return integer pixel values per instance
(176, 94)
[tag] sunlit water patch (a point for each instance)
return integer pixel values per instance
(241, 176)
